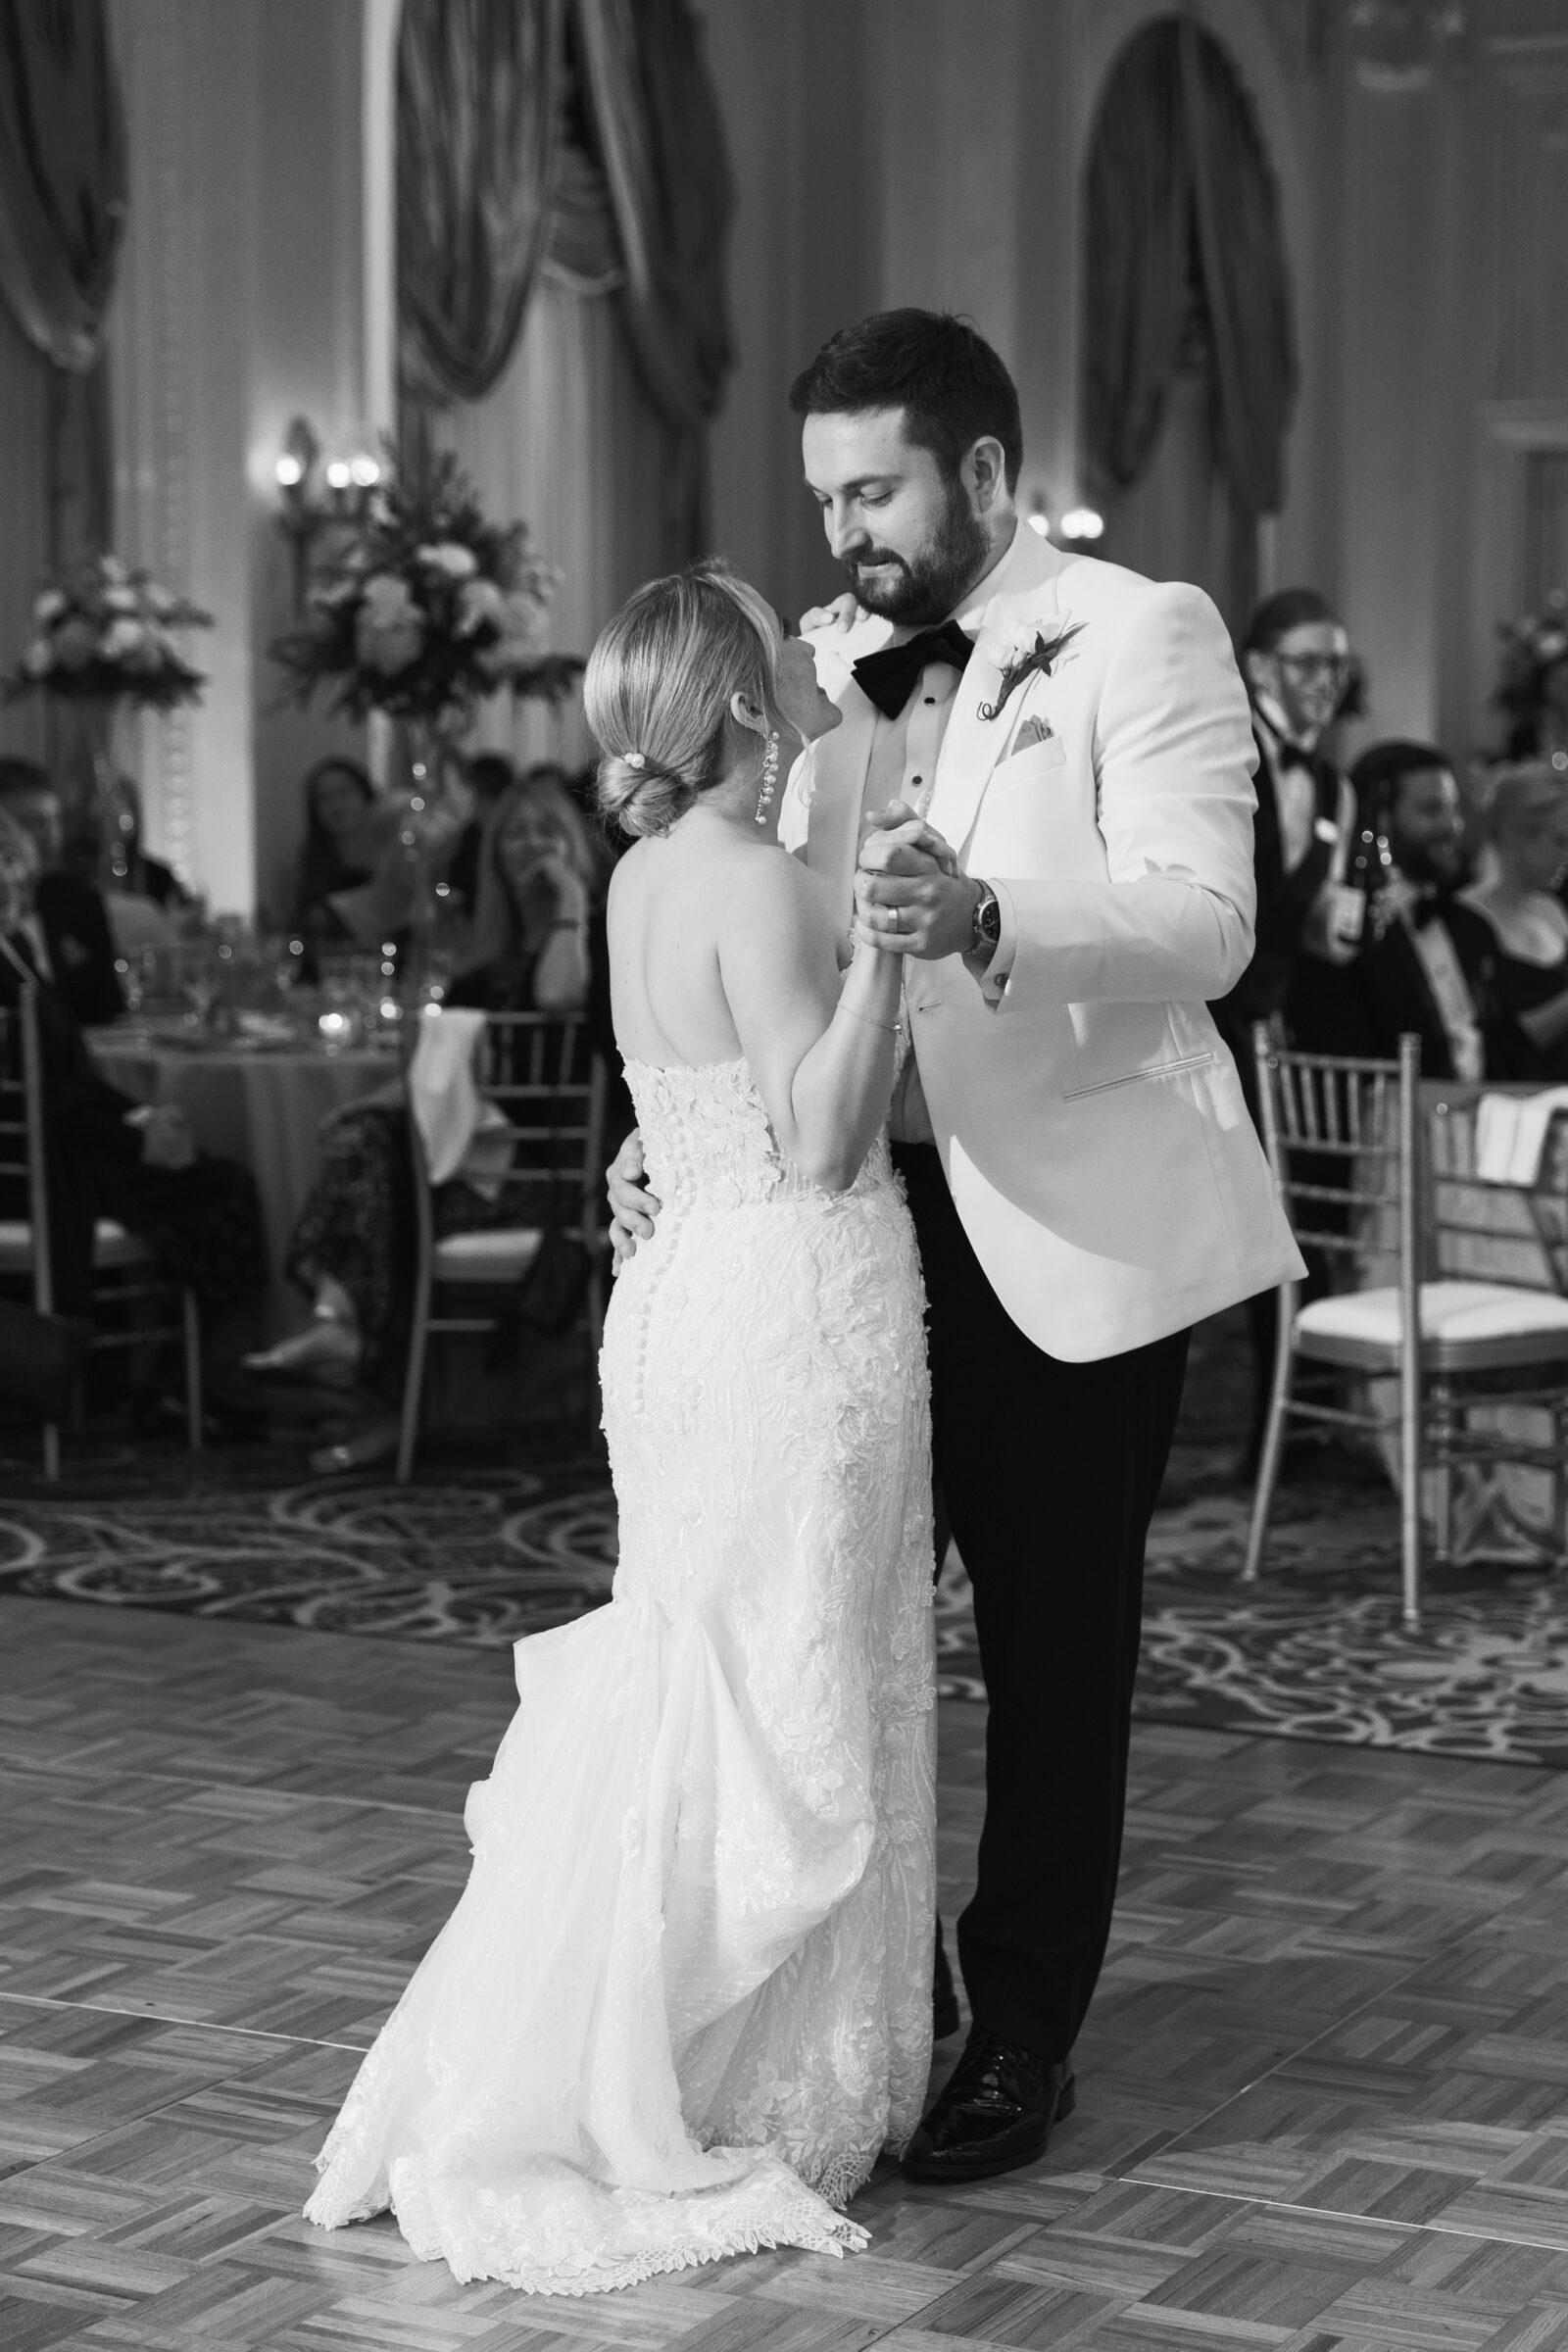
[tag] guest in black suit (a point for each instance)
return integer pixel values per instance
(67, 926)
(1297, 664)
(108, 1156)
(1427, 962)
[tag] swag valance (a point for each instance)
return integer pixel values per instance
(1183, 207)
(493, 187)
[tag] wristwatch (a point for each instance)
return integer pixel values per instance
(987, 931)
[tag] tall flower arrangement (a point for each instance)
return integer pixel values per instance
(105, 633)
(426, 610)
(103, 641)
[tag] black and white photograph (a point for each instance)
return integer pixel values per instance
(783, 1175)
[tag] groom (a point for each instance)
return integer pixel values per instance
(1042, 787)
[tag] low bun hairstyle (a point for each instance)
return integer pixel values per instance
(657, 690)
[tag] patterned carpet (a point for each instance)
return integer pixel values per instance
(477, 1555)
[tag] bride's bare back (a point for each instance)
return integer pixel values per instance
(694, 914)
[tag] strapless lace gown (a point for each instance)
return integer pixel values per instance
(685, 1999)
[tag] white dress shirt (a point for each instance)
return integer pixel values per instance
(903, 766)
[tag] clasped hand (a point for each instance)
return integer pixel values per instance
(910, 898)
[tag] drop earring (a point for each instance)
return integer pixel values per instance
(764, 799)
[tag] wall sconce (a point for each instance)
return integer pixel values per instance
(313, 497)
(1081, 522)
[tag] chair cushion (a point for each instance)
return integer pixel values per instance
(111, 1246)
(498, 1255)
(1453, 1312)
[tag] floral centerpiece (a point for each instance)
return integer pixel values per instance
(105, 634)
(1532, 690)
(423, 611)
(104, 641)
(427, 610)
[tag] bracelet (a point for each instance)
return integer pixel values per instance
(892, 1027)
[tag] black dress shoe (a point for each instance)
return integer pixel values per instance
(945, 2018)
(995, 2113)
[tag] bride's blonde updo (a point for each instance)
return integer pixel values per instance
(658, 685)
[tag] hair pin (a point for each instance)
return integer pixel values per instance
(636, 758)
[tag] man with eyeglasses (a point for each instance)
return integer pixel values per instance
(1296, 658)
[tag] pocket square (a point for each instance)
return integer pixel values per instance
(1033, 730)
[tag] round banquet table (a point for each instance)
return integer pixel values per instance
(262, 1108)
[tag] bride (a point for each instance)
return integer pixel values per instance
(685, 1999)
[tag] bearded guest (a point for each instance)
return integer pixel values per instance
(1427, 962)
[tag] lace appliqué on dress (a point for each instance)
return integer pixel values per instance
(685, 1999)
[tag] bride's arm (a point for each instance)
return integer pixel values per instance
(820, 1052)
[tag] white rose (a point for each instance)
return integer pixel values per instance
(38, 660)
(479, 602)
(124, 639)
(121, 600)
(387, 597)
(456, 561)
(49, 606)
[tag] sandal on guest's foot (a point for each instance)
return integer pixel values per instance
(327, 1353)
(376, 1442)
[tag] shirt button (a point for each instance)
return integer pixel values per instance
(917, 779)
(930, 698)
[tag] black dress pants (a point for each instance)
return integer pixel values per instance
(1049, 1472)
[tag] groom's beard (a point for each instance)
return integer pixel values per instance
(925, 588)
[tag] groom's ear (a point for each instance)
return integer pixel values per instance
(984, 474)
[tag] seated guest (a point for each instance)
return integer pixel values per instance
(1526, 832)
(1297, 660)
(108, 1156)
(67, 923)
(488, 775)
(347, 825)
(1426, 962)
(351, 1247)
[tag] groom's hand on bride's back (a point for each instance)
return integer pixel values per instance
(633, 1206)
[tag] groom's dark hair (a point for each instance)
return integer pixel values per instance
(950, 383)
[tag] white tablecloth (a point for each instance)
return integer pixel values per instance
(263, 1110)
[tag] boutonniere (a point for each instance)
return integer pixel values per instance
(1020, 650)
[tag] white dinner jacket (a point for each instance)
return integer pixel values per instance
(1090, 1119)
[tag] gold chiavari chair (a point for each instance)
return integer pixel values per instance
(1343, 1139)
(117, 1254)
(541, 1071)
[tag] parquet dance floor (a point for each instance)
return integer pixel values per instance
(1324, 2092)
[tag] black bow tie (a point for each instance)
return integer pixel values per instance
(1426, 909)
(890, 676)
(1288, 754)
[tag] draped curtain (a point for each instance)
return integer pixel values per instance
(478, 118)
(579, 138)
(61, 217)
(657, 127)
(1186, 272)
